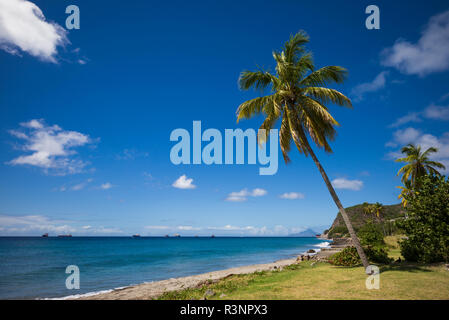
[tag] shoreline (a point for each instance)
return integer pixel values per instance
(152, 290)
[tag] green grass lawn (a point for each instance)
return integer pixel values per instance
(325, 281)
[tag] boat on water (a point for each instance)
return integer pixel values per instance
(212, 236)
(64, 236)
(136, 235)
(166, 236)
(45, 235)
(177, 235)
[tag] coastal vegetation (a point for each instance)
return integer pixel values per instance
(427, 225)
(320, 280)
(360, 215)
(299, 95)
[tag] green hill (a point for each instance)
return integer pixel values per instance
(358, 218)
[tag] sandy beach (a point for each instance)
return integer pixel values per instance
(152, 290)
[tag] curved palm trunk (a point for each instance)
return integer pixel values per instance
(354, 238)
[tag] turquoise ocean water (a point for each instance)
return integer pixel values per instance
(34, 267)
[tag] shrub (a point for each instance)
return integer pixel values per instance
(427, 225)
(377, 254)
(348, 257)
(371, 235)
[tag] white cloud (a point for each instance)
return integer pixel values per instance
(38, 224)
(51, 147)
(342, 183)
(242, 195)
(258, 192)
(33, 223)
(292, 195)
(75, 187)
(187, 228)
(184, 183)
(405, 136)
(359, 91)
(437, 112)
(23, 28)
(425, 140)
(157, 227)
(106, 186)
(232, 198)
(429, 54)
(410, 117)
(433, 112)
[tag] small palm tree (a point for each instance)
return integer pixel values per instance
(366, 208)
(377, 209)
(418, 164)
(299, 97)
(406, 190)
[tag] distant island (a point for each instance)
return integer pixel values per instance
(306, 233)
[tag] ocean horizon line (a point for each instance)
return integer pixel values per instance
(141, 236)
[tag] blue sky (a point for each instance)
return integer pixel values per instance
(86, 114)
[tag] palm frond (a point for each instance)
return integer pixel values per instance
(256, 79)
(253, 107)
(326, 95)
(325, 76)
(295, 45)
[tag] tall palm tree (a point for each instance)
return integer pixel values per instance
(298, 96)
(418, 164)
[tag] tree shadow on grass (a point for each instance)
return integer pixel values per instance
(405, 266)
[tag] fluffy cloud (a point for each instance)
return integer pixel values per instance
(50, 147)
(430, 54)
(425, 140)
(378, 83)
(342, 183)
(23, 28)
(243, 195)
(184, 183)
(405, 136)
(292, 195)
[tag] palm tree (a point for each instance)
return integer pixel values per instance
(299, 96)
(366, 208)
(418, 164)
(377, 209)
(406, 190)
